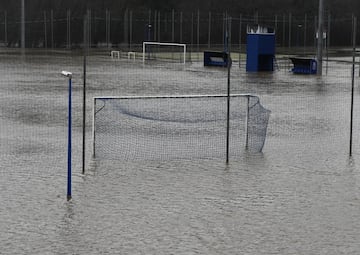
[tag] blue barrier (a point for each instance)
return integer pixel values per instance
(304, 66)
(216, 58)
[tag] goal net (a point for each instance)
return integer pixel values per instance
(168, 52)
(177, 127)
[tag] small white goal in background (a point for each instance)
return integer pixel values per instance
(161, 51)
(115, 54)
(131, 55)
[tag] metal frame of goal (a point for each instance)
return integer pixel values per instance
(164, 44)
(131, 121)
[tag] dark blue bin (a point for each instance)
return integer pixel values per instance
(304, 66)
(216, 58)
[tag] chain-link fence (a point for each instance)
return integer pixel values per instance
(63, 28)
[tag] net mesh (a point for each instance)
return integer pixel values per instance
(168, 128)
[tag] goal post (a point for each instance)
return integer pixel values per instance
(164, 50)
(176, 127)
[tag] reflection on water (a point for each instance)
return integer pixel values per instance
(300, 196)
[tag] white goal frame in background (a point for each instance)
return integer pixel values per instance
(165, 44)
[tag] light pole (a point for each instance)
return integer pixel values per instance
(299, 26)
(69, 76)
(149, 32)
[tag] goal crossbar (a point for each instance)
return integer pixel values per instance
(172, 96)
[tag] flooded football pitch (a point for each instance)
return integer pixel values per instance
(301, 195)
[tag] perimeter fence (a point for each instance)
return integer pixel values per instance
(63, 28)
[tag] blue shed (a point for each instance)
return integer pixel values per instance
(260, 49)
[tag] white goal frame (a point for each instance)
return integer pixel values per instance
(165, 44)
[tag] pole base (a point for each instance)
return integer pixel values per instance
(68, 197)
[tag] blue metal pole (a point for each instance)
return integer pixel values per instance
(69, 145)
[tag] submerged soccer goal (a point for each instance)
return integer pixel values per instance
(177, 127)
(168, 52)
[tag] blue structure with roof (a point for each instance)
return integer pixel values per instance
(260, 49)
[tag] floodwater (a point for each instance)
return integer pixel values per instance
(301, 195)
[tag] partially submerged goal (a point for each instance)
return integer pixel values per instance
(161, 51)
(177, 127)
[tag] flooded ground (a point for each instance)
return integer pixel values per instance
(300, 196)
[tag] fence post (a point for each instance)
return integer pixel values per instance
(192, 34)
(276, 25)
(173, 26)
(155, 25)
(68, 17)
(131, 30)
(22, 24)
(85, 53)
(328, 30)
(89, 28)
(240, 37)
(319, 52)
(167, 28)
(224, 29)
(45, 30)
(52, 27)
(290, 21)
(5, 27)
(328, 42)
(126, 27)
(305, 31)
(354, 21)
(283, 31)
(209, 33)
(107, 27)
(228, 50)
(159, 26)
(315, 27)
(198, 34)
(247, 122)
(181, 27)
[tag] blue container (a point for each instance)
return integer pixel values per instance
(215, 58)
(304, 66)
(260, 50)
